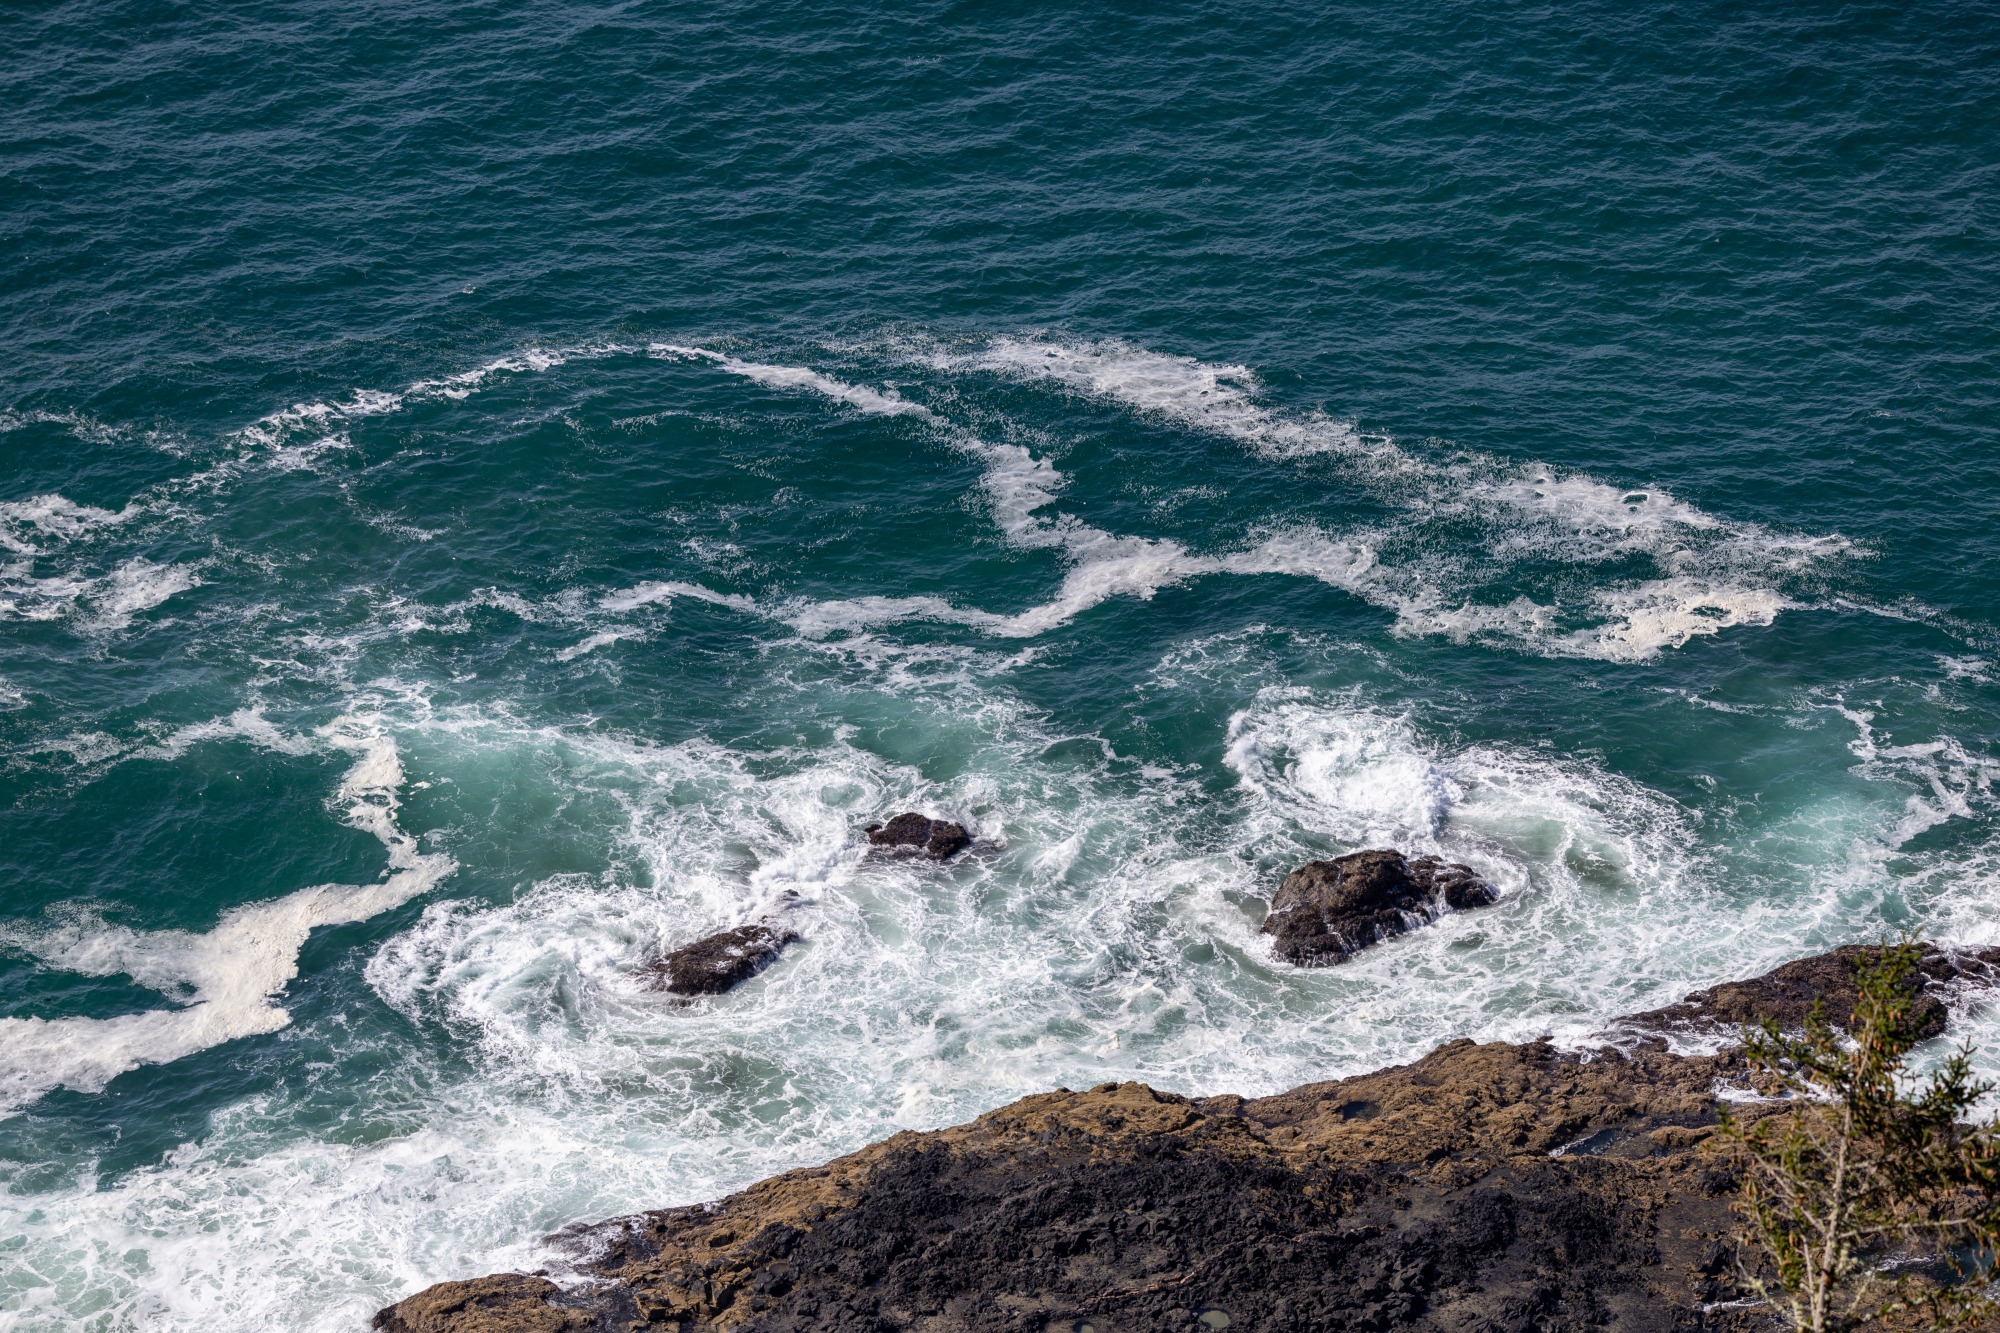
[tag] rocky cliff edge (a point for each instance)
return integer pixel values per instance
(1483, 1188)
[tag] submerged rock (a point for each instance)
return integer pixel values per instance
(711, 966)
(1484, 1187)
(935, 838)
(1326, 911)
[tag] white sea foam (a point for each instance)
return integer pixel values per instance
(601, 639)
(1966, 666)
(1018, 484)
(1584, 502)
(25, 597)
(1308, 553)
(94, 751)
(305, 457)
(1219, 398)
(321, 419)
(876, 402)
(105, 603)
(657, 591)
(79, 424)
(1358, 775)
(1707, 588)
(528, 361)
(1609, 902)
(1103, 939)
(1104, 567)
(294, 438)
(135, 586)
(1105, 927)
(1094, 868)
(1904, 838)
(1944, 779)
(318, 418)
(245, 724)
(229, 977)
(1666, 613)
(86, 749)
(1635, 622)
(45, 517)
(1716, 574)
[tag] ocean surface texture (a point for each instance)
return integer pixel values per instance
(491, 493)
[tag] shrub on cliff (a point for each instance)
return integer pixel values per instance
(1873, 1175)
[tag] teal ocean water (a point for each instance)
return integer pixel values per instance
(491, 492)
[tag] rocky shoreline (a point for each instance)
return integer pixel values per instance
(1485, 1187)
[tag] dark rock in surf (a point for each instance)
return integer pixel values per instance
(1326, 911)
(935, 838)
(1786, 995)
(711, 966)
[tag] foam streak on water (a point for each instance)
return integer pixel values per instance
(229, 979)
(1716, 574)
(485, 504)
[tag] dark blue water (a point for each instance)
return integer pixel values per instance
(489, 494)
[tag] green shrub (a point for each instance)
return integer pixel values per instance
(1871, 1176)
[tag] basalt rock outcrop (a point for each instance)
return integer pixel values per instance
(1326, 911)
(1787, 995)
(713, 964)
(1484, 1188)
(935, 838)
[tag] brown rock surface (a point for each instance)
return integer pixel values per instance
(1787, 994)
(1326, 911)
(503, 1303)
(935, 838)
(1482, 1188)
(712, 965)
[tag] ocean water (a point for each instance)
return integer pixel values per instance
(493, 492)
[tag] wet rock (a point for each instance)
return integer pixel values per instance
(711, 966)
(1484, 1187)
(935, 838)
(1326, 911)
(1787, 994)
(1129, 1208)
